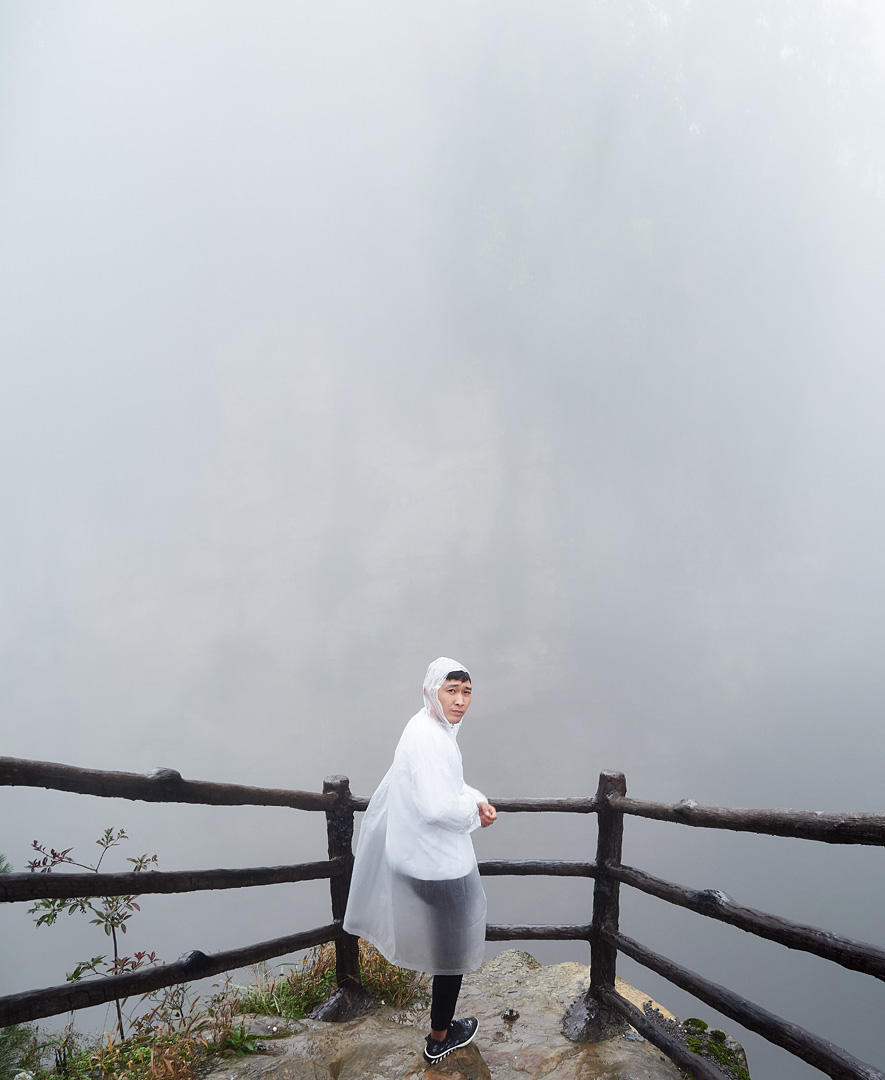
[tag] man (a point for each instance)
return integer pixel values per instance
(416, 893)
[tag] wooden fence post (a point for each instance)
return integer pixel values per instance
(606, 889)
(339, 829)
(590, 1016)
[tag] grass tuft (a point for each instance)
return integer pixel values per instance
(19, 1050)
(294, 995)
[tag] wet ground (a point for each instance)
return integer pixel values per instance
(520, 1006)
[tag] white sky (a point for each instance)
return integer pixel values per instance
(334, 338)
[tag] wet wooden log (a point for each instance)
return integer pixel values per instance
(339, 832)
(34, 1004)
(59, 884)
(161, 785)
(546, 806)
(697, 1066)
(522, 932)
(816, 1051)
(856, 955)
(603, 955)
(520, 806)
(801, 824)
(536, 868)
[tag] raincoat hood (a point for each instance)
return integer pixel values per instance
(433, 680)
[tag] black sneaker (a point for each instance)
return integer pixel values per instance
(460, 1033)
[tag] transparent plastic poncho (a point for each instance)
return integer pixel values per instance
(416, 893)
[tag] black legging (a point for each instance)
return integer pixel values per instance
(444, 999)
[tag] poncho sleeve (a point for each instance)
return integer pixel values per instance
(475, 793)
(440, 796)
(439, 803)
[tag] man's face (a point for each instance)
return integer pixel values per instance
(454, 697)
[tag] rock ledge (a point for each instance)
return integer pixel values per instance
(386, 1044)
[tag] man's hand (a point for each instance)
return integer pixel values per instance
(487, 814)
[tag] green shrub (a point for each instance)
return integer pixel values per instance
(19, 1050)
(710, 1044)
(111, 913)
(294, 995)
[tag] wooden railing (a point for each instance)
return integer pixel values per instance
(588, 1018)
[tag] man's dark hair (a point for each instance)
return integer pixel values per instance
(461, 676)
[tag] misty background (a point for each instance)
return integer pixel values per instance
(338, 337)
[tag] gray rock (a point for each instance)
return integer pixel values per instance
(735, 1047)
(345, 1003)
(387, 1043)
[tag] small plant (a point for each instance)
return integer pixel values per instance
(294, 995)
(20, 1050)
(712, 1044)
(390, 984)
(173, 1033)
(111, 913)
(173, 1010)
(237, 1042)
(164, 1054)
(221, 1009)
(166, 1042)
(144, 1057)
(70, 1053)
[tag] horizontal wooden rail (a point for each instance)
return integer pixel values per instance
(161, 785)
(34, 1004)
(819, 1052)
(802, 824)
(698, 1067)
(547, 806)
(856, 955)
(536, 868)
(16, 887)
(518, 932)
(521, 806)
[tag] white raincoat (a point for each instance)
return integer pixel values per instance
(416, 893)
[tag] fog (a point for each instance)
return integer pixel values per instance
(338, 337)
